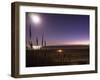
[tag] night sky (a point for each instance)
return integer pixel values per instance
(59, 29)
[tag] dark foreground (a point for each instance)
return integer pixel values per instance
(58, 55)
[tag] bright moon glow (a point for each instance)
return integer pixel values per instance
(35, 18)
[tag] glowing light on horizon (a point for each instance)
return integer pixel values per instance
(60, 50)
(80, 42)
(36, 47)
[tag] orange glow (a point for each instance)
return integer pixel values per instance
(59, 50)
(71, 42)
(79, 43)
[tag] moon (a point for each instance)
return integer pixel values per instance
(35, 18)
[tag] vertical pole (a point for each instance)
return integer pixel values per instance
(30, 37)
(42, 39)
(45, 43)
(37, 41)
(30, 32)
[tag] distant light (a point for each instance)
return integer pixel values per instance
(59, 50)
(36, 47)
(35, 18)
